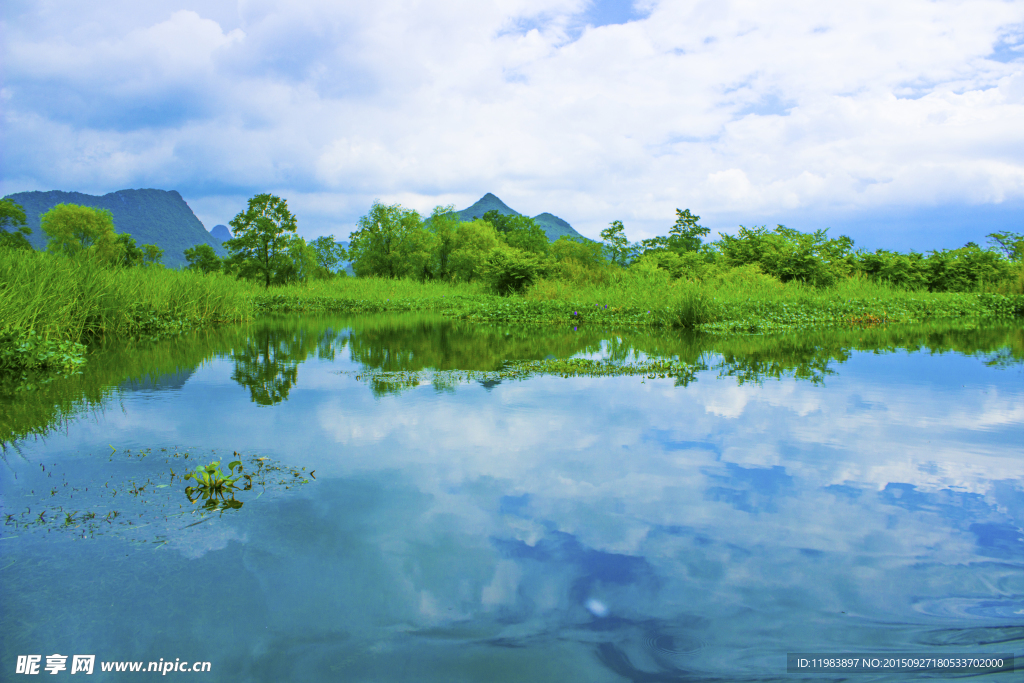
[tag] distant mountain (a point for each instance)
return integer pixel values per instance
(220, 233)
(554, 227)
(150, 216)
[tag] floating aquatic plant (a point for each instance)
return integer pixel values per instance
(212, 484)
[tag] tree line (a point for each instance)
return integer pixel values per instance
(819, 260)
(510, 252)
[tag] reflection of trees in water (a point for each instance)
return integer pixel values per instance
(266, 356)
(456, 345)
(267, 363)
(811, 363)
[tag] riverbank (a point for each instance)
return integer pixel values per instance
(748, 304)
(53, 308)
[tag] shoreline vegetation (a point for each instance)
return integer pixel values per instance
(89, 288)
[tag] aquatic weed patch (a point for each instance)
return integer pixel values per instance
(147, 490)
(28, 351)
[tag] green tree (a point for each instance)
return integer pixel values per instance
(444, 224)
(260, 247)
(203, 258)
(473, 242)
(519, 232)
(151, 254)
(1010, 243)
(901, 270)
(129, 254)
(510, 270)
(685, 235)
(501, 222)
(304, 265)
(329, 254)
(14, 230)
(585, 252)
(72, 230)
(619, 248)
(390, 242)
(966, 269)
(789, 254)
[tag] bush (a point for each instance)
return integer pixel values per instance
(688, 265)
(906, 271)
(967, 269)
(789, 254)
(509, 271)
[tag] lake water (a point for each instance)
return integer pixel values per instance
(425, 513)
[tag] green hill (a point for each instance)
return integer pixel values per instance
(150, 216)
(554, 227)
(220, 233)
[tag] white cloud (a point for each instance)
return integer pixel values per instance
(758, 107)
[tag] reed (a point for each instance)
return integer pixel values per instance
(51, 305)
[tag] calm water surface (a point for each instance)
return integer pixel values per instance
(845, 492)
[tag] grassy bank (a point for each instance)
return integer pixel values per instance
(743, 300)
(51, 307)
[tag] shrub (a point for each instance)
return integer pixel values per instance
(509, 271)
(789, 254)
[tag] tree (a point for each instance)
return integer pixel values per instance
(473, 242)
(789, 254)
(304, 261)
(390, 242)
(519, 232)
(682, 237)
(329, 254)
(129, 253)
(72, 229)
(501, 222)
(1010, 243)
(260, 247)
(510, 270)
(444, 224)
(14, 230)
(584, 252)
(619, 248)
(151, 254)
(203, 258)
(686, 233)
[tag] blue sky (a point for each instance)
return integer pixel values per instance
(899, 124)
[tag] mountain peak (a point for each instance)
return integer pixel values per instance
(220, 233)
(488, 202)
(553, 226)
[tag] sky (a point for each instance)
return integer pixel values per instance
(900, 124)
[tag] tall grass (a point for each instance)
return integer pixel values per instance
(369, 294)
(744, 299)
(50, 305)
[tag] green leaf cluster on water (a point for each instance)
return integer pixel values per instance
(212, 485)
